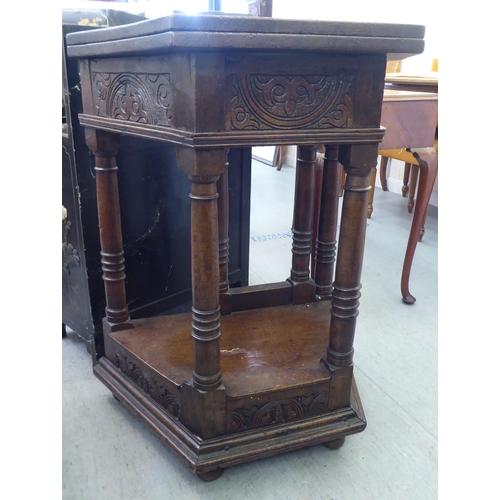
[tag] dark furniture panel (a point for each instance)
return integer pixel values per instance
(155, 212)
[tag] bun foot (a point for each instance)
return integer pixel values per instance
(211, 475)
(335, 444)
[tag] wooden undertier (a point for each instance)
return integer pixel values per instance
(278, 394)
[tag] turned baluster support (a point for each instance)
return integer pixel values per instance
(358, 162)
(205, 282)
(304, 288)
(327, 226)
(223, 222)
(104, 146)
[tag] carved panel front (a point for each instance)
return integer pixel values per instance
(148, 385)
(141, 98)
(287, 102)
(275, 412)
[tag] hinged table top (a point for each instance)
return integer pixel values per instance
(205, 32)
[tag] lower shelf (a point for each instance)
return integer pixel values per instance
(276, 396)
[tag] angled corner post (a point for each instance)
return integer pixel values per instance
(207, 417)
(204, 168)
(327, 224)
(358, 162)
(223, 221)
(104, 145)
(304, 288)
(205, 280)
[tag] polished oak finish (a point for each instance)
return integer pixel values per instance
(253, 371)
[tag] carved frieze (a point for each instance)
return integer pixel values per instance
(144, 381)
(288, 102)
(142, 98)
(279, 411)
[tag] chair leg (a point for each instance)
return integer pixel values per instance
(413, 187)
(406, 176)
(373, 176)
(281, 150)
(342, 180)
(384, 160)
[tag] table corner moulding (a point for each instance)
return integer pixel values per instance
(252, 371)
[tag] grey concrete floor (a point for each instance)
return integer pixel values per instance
(107, 453)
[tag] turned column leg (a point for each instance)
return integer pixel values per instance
(105, 145)
(327, 227)
(304, 289)
(318, 183)
(205, 282)
(358, 162)
(223, 223)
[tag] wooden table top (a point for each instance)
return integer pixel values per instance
(407, 95)
(205, 32)
(412, 83)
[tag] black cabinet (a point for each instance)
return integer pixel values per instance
(155, 211)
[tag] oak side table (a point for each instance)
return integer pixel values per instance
(260, 370)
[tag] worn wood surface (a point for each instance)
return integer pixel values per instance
(206, 84)
(262, 350)
(180, 31)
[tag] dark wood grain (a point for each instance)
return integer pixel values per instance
(223, 25)
(261, 349)
(261, 370)
(326, 244)
(105, 146)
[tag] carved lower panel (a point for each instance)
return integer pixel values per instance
(275, 412)
(229, 450)
(140, 98)
(147, 384)
(290, 102)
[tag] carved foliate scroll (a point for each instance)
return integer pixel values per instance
(275, 412)
(148, 385)
(290, 102)
(141, 98)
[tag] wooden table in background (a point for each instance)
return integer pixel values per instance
(410, 115)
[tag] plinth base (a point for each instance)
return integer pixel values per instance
(205, 455)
